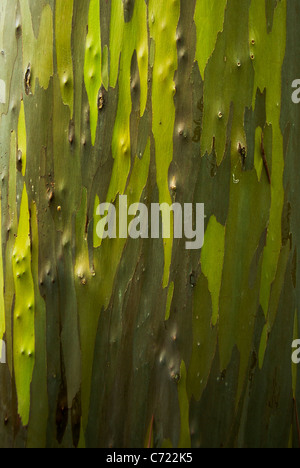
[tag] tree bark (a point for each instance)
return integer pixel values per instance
(108, 342)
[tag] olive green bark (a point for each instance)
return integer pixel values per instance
(162, 101)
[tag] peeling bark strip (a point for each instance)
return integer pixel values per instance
(27, 80)
(139, 342)
(265, 159)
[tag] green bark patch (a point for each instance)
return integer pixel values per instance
(238, 301)
(228, 84)
(125, 38)
(22, 145)
(204, 341)
(268, 49)
(63, 32)
(13, 226)
(39, 412)
(24, 311)
(164, 18)
(209, 18)
(92, 64)
(212, 259)
(37, 52)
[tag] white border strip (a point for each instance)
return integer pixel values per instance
(2, 92)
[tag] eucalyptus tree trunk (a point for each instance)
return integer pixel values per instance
(140, 342)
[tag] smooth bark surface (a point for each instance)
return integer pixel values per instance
(166, 101)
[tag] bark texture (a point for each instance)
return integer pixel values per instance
(170, 100)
